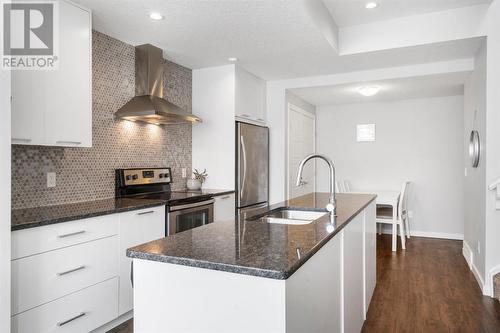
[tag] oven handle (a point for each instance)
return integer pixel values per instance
(192, 205)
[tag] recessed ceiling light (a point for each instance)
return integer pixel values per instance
(368, 90)
(156, 16)
(371, 5)
(232, 59)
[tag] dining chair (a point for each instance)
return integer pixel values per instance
(347, 186)
(404, 214)
(385, 216)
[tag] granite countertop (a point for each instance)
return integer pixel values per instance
(254, 247)
(40, 216)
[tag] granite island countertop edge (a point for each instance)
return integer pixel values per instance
(247, 270)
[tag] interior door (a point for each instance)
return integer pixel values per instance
(253, 163)
(301, 142)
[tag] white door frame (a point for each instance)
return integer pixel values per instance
(308, 114)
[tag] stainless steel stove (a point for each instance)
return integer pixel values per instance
(184, 209)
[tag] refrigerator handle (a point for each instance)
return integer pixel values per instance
(244, 157)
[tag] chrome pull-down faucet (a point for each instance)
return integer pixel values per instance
(332, 204)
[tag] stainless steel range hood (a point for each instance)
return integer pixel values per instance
(149, 104)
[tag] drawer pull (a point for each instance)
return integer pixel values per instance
(71, 270)
(225, 197)
(62, 323)
(148, 212)
(72, 234)
(22, 139)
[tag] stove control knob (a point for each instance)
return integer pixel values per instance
(128, 177)
(134, 177)
(161, 175)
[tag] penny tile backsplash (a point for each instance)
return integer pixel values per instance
(84, 174)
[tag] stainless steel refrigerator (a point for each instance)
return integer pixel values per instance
(252, 167)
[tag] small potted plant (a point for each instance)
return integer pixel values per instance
(197, 180)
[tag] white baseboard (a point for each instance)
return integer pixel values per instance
(467, 253)
(469, 257)
(427, 234)
(441, 235)
(491, 274)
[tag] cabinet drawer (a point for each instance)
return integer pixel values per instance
(89, 308)
(42, 278)
(42, 239)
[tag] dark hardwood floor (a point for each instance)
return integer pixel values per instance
(427, 288)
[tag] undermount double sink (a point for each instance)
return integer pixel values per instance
(292, 216)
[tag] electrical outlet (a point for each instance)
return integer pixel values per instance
(478, 247)
(184, 174)
(465, 172)
(51, 179)
(410, 214)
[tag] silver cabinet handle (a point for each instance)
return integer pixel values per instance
(79, 268)
(132, 273)
(260, 119)
(245, 115)
(144, 213)
(72, 234)
(244, 155)
(225, 197)
(67, 321)
(70, 142)
(22, 139)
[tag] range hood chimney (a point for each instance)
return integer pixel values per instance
(149, 104)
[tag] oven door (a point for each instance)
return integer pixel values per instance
(189, 216)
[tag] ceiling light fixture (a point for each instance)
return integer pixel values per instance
(232, 59)
(156, 16)
(371, 5)
(368, 90)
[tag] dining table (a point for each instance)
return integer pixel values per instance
(385, 198)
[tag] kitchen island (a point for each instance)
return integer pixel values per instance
(248, 275)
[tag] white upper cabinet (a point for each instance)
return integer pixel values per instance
(250, 100)
(54, 107)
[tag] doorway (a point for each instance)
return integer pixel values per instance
(301, 142)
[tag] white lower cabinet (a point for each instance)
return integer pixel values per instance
(136, 228)
(370, 258)
(81, 311)
(353, 275)
(224, 207)
(75, 276)
(44, 277)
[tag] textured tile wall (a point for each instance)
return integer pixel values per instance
(88, 173)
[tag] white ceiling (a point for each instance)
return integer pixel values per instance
(451, 84)
(273, 39)
(353, 12)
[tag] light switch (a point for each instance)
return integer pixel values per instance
(51, 179)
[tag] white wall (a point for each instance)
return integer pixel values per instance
(492, 143)
(416, 140)
(214, 94)
(5, 201)
(475, 180)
